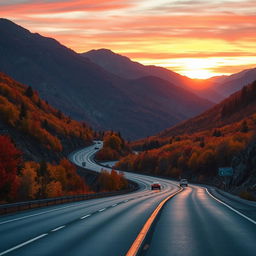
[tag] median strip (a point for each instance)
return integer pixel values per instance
(144, 231)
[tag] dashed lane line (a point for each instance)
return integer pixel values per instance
(23, 244)
(86, 216)
(58, 228)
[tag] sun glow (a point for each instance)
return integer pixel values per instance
(198, 68)
(202, 68)
(200, 74)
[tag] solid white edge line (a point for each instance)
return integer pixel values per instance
(231, 208)
(86, 216)
(23, 244)
(58, 228)
(101, 210)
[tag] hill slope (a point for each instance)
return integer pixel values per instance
(87, 92)
(221, 137)
(236, 107)
(39, 130)
(236, 81)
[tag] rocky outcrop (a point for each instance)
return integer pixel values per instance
(244, 165)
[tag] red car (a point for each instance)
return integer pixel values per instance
(155, 185)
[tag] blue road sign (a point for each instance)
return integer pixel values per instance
(226, 171)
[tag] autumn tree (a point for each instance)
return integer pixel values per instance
(43, 178)
(29, 186)
(10, 160)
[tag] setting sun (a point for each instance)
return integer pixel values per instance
(198, 68)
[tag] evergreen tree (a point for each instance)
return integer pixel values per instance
(23, 111)
(244, 127)
(29, 92)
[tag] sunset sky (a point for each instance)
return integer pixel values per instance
(197, 38)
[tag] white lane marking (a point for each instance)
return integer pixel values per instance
(23, 244)
(58, 228)
(86, 216)
(125, 201)
(231, 208)
(101, 210)
(113, 205)
(36, 214)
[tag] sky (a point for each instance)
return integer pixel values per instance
(196, 38)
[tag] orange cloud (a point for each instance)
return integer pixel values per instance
(154, 32)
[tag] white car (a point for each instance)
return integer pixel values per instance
(184, 182)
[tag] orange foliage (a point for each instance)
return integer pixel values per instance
(70, 183)
(112, 181)
(29, 186)
(34, 116)
(196, 156)
(114, 147)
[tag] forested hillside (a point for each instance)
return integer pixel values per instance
(33, 123)
(198, 147)
(35, 139)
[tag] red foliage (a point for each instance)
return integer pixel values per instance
(10, 159)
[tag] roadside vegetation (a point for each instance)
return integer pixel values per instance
(114, 147)
(27, 180)
(35, 140)
(224, 136)
(196, 156)
(112, 181)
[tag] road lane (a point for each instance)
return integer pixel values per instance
(193, 223)
(73, 228)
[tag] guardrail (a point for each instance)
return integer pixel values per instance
(15, 207)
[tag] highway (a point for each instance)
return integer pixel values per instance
(191, 223)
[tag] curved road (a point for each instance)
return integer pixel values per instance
(191, 223)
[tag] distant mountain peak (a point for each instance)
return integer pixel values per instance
(86, 91)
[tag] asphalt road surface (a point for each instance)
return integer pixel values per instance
(191, 223)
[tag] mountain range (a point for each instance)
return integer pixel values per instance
(137, 107)
(214, 89)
